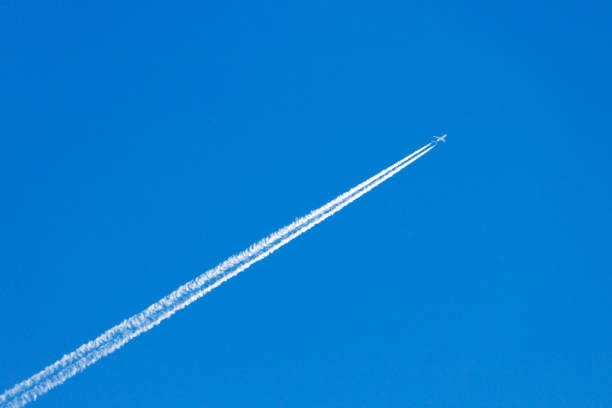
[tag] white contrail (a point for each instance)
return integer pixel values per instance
(76, 361)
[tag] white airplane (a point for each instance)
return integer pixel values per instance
(440, 138)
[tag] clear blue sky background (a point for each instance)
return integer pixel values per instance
(143, 142)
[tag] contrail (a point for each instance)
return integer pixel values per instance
(89, 353)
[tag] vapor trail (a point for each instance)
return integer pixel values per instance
(76, 361)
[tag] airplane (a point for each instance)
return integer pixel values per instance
(440, 138)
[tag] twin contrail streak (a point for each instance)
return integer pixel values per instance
(89, 353)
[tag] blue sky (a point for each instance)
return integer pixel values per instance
(142, 143)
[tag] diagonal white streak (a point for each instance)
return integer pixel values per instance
(86, 355)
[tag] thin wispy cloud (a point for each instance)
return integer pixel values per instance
(89, 353)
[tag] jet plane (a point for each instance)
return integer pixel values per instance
(440, 138)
